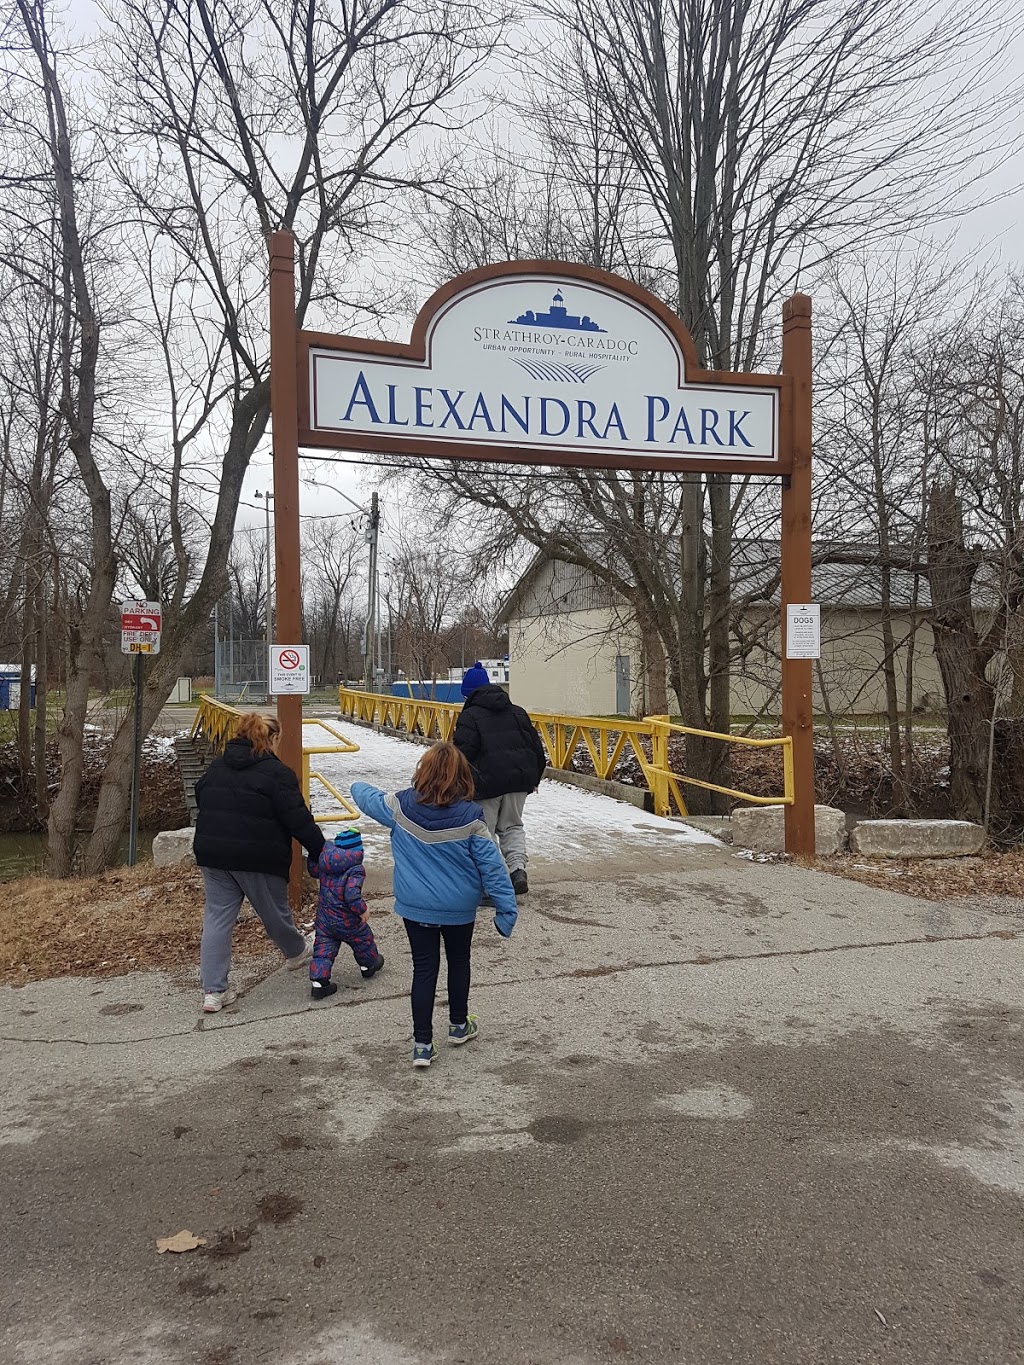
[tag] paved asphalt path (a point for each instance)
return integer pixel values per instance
(719, 1111)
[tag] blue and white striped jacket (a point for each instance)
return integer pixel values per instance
(445, 858)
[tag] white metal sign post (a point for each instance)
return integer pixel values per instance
(141, 627)
(289, 670)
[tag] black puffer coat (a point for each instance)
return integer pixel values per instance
(250, 809)
(501, 743)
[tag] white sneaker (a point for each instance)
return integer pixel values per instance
(214, 1001)
(294, 963)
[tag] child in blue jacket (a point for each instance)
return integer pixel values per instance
(445, 859)
(341, 913)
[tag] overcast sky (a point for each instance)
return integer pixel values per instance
(990, 232)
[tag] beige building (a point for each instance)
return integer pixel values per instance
(574, 649)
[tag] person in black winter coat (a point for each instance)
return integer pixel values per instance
(250, 810)
(508, 760)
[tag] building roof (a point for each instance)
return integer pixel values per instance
(838, 579)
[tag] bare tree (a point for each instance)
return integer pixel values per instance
(332, 563)
(232, 123)
(871, 458)
(761, 139)
(50, 183)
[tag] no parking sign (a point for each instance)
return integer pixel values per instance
(289, 669)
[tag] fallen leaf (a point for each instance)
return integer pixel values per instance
(881, 1318)
(181, 1241)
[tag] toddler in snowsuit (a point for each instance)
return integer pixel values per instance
(341, 913)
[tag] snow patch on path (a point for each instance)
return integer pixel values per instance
(559, 820)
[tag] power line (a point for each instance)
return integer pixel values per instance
(306, 516)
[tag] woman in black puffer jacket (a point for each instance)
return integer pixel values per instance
(250, 810)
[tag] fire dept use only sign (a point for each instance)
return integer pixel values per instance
(289, 670)
(540, 367)
(141, 625)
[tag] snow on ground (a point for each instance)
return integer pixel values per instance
(559, 820)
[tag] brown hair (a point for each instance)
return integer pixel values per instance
(260, 731)
(443, 776)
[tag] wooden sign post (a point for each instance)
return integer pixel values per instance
(544, 363)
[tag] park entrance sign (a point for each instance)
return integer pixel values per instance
(542, 363)
(550, 364)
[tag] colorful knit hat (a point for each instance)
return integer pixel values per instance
(349, 839)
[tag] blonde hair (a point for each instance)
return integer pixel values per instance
(260, 731)
(443, 776)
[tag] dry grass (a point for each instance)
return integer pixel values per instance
(129, 919)
(938, 879)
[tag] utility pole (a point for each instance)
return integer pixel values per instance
(372, 533)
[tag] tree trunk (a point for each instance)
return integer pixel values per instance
(968, 693)
(892, 700)
(719, 605)
(40, 754)
(28, 626)
(655, 688)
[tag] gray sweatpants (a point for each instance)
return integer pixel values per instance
(225, 892)
(504, 816)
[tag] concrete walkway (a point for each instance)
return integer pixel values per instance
(719, 1111)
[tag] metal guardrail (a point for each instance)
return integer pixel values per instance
(218, 721)
(606, 742)
(432, 719)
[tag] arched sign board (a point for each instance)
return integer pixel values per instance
(543, 363)
(539, 362)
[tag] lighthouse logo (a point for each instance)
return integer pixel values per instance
(556, 316)
(555, 345)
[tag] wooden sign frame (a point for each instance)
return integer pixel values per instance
(417, 353)
(290, 351)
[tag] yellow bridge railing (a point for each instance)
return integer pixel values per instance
(431, 719)
(217, 722)
(605, 741)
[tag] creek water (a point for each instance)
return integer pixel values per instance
(22, 854)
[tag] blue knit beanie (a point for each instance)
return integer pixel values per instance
(349, 839)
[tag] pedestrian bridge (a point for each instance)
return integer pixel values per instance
(600, 742)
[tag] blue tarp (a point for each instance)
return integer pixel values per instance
(428, 691)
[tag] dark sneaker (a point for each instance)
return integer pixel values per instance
(373, 968)
(322, 990)
(519, 883)
(423, 1054)
(486, 903)
(462, 1033)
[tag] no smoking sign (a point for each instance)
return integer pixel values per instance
(289, 670)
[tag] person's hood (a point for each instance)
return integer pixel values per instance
(491, 697)
(238, 754)
(455, 816)
(337, 861)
